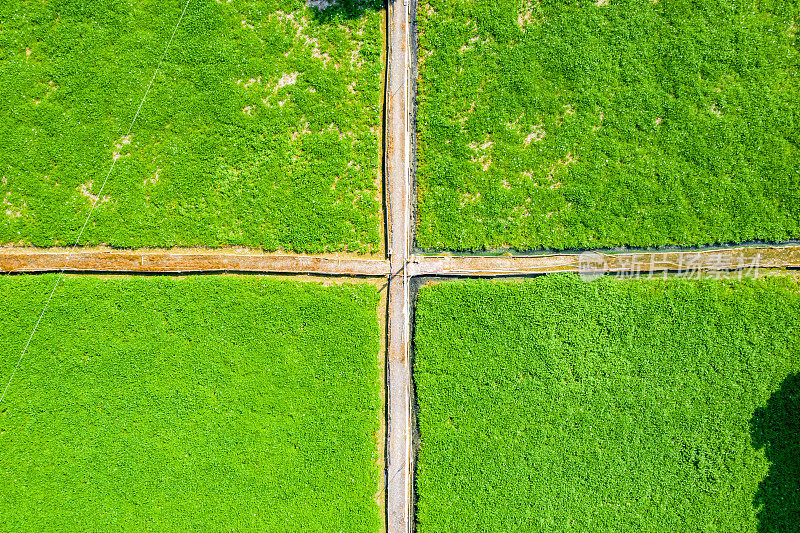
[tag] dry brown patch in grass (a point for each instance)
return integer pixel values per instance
(422, 57)
(521, 211)
(716, 111)
(286, 80)
(86, 190)
(154, 179)
(11, 210)
(601, 3)
(527, 16)
(316, 52)
(528, 174)
(334, 128)
(470, 44)
(514, 126)
(249, 82)
(355, 57)
(296, 24)
(117, 152)
(297, 133)
(424, 8)
(569, 110)
(465, 115)
(485, 162)
(557, 167)
(469, 198)
(537, 134)
(482, 153)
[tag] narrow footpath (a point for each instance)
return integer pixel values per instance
(186, 261)
(398, 447)
(17, 260)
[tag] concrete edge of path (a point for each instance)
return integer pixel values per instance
(167, 262)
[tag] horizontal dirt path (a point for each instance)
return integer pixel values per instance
(748, 259)
(127, 261)
(14, 260)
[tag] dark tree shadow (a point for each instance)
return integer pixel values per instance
(330, 10)
(776, 428)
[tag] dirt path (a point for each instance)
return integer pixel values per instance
(20, 260)
(14, 260)
(748, 259)
(399, 515)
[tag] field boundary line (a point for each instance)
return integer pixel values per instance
(94, 203)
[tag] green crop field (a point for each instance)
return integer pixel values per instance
(591, 124)
(262, 127)
(199, 404)
(628, 406)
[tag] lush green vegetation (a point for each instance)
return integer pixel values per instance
(559, 405)
(201, 404)
(262, 127)
(581, 124)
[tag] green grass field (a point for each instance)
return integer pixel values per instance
(558, 405)
(262, 128)
(583, 124)
(198, 404)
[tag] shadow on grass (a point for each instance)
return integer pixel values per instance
(776, 428)
(331, 10)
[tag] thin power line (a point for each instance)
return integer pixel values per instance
(91, 210)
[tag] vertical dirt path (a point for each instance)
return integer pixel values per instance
(399, 515)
